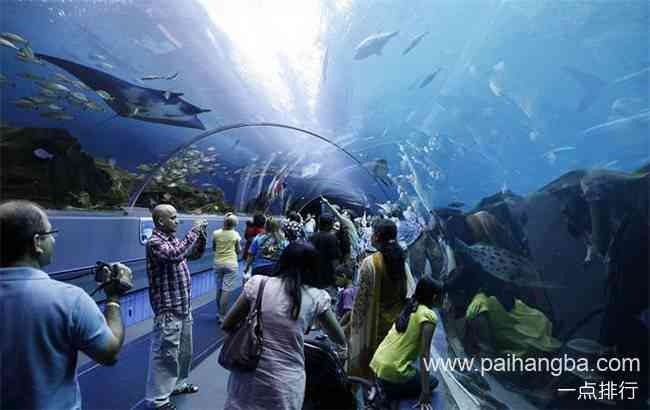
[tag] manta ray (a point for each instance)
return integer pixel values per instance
(133, 101)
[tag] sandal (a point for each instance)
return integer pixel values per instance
(167, 406)
(187, 389)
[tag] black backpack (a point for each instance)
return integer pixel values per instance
(271, 249)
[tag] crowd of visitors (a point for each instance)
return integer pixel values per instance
(350, 278)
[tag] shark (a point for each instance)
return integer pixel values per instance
(134, 101)
(373, 45)
(504, 265)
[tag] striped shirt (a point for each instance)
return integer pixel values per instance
(170, 284)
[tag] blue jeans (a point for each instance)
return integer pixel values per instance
(408, 390)
(170, 357)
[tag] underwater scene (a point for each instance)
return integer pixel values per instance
(509, 141)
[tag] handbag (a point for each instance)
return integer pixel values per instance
(242, 347)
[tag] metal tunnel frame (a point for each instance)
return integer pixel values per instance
(135, 194)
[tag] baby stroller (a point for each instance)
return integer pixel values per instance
(328, 386)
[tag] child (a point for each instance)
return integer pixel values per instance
(346, 298)
(392, 362)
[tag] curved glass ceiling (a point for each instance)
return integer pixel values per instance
(438, 101)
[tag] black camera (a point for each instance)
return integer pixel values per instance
(106, 274)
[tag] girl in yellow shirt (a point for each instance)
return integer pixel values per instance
(409, 338)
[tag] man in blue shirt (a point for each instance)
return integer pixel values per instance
(45, 323)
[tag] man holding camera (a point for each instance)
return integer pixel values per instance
(170, 291)
(46, 322)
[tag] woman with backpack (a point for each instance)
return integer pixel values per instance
(265, 250)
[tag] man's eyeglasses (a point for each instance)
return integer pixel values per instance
(53, 232)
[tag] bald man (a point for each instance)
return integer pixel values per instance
(170, 290)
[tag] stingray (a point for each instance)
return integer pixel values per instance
(504, 265)
(133, 101)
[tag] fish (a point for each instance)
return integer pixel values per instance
(42, 154)
(159, 77)
(27, 54)
(56, 87)
(63, 78)
(47, 93)
(414, 42)
(504, 265)
(57, 115)
(78, 97)
(54, 107)
(627, 106)
(92, 105)
(13, 38)
(495, 88)
(427, 80)
(550, 155)
(105, 66)
(456, 204)
(6, 43)
(80, 84)
(634, 122)
(95, 56)
(106, 96)
(26, 104)
(593, 86)
(124, 96)
(39, 100)
(30, 76)
(373, 44)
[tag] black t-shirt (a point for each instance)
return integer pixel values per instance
(329, 249)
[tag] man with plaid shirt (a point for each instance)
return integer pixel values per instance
(170, 291)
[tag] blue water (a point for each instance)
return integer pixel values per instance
(501, 114)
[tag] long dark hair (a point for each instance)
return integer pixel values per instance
(385, 232)
(425, 290)
(259, 220)
(298, 266)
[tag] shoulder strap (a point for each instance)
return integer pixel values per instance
(258, 309)
(258, 299)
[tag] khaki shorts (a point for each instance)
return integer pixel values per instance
(226, 277)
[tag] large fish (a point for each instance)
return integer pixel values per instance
(133, 101)
(504, 265)
(373, 45)
(594, 86)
